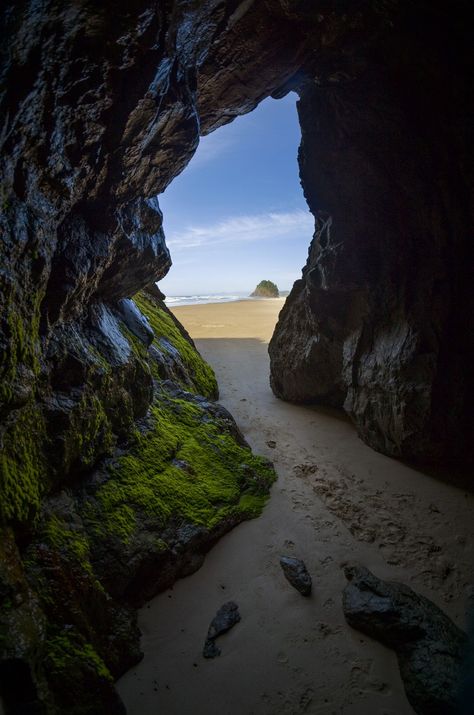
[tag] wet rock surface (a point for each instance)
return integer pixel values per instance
(374, 324)
(116, 531)
(430, 649)
(297, 574)
(225, 619)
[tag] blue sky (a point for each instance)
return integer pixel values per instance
(237, 214)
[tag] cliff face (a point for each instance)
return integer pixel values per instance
(117, 529)
(381, 321)
(102, 105)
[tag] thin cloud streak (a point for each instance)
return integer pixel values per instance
(239, 229)
(210, 148)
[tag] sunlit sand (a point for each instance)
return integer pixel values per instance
(336, 502)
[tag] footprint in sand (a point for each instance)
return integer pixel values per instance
(306, 699)
(362, 680)
(305, 470)
(325, 629)
(385, 519)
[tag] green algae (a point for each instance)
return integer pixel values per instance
(68, 650)
(23, 474)
(21, 333)
(91, 434)
(115, 518)
(186, 468)
(138, 348)
(98, 360)
(168, 338)
(72, 542)
(183, 466)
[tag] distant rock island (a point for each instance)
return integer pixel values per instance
(266, 289)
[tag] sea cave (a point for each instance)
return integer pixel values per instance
(314, 470)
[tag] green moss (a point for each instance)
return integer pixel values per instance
(23, 474)
(121, 521)
(96, 435)
(21, 333)
(160, 545)
(22, 465)
(99, 359)
(139, 349)
(20, 337)
(168, 338)
(90, 435)
(68, 650)
(251, 505)
(185, 467)
(62, 537)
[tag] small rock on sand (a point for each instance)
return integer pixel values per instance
(297, 574)
(226, 617)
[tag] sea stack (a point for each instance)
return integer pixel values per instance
(266, 289)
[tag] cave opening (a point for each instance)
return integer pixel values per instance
(237, 215)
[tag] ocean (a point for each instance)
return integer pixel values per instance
(173, 301)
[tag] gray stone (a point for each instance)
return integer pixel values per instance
(430, 648)
(225, 619)
(297, 574)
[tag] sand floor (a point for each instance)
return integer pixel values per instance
(336, 502)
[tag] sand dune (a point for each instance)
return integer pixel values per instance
(336, 502)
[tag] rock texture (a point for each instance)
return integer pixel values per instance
(120, 528)
(381, 321)
(266, 289)
(297, 574)
(429, 647)
(101, 106)
(225, 619)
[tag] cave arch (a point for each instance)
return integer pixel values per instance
(385, 296)
(98, 117)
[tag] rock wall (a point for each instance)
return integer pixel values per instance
(381, 321)
(117, 529)
(101, 106)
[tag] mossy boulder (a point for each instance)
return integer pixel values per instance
(118, 486)
(266, 289)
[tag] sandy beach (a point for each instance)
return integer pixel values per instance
(336, 502)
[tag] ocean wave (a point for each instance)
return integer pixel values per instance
(176, 300)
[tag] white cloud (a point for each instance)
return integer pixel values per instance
(239, 229)
(210, 147)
